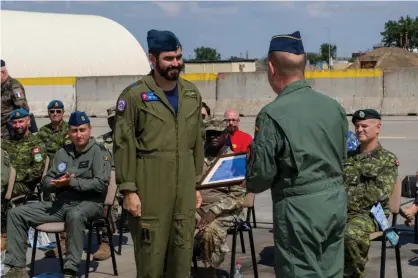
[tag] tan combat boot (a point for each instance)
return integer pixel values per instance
(3, 242)
(54, 252)
(103, 253)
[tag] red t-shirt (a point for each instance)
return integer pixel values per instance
(240, 141)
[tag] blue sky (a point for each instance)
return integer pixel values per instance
(234, 28)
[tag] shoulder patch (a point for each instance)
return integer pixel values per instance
(121, 105)
(18, 93)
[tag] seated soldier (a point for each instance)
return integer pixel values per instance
(370, 173)
(79, 176)
(221, 207)
(27, 154)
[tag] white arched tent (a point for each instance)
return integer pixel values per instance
(37, 44)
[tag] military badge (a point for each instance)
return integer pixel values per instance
(83, 118)
(361, 114)
(190, 94)
(56, 104)
(36, 150)
(38, 157)
(62, 167)
(17, 114)
(121, 105)
(149, 96)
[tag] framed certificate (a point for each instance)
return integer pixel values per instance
(226, 170)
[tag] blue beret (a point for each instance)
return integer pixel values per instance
(18, 114)
(3, 63)
(78, 118)
(291, 43)
(160, 41)
(56, 104)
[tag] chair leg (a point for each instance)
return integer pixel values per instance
(89, 244)
(122, 220)
(99, 237)
(195, 268)
(383, 258)
(112, 248)
(254, 220)
(398, 261)
(57, 238)
(234, 250)
(253, 257)
(241, 237)
(32, 262)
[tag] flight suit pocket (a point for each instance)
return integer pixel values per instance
(182, 228)
(148, 231)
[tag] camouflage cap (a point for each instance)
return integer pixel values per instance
(111, 112)
(214, 124)
(365, 114)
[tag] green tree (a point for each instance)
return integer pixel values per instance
(313, 58)
(324, 51)
(395, 33)
(206, 54)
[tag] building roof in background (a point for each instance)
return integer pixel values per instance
(388, 57)
(37, 44)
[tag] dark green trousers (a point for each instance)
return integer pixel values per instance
(309, 235)
(75, 214)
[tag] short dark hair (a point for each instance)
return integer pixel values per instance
(204, 105)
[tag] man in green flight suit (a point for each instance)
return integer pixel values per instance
(370, 173)
(79, 175)
(55, 135)
(158, 151)
(13, 96)
(103, 253)
(297, 152)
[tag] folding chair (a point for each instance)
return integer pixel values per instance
(394, 205)
(59, 227)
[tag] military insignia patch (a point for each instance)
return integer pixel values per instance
(36, 150)
(56, 104)
(18, 93)
(62, 167)
(83, 118)
(361, 114)
(17, 114)
(121, 105)
(38, 157)
(149, 96)
(190, 94)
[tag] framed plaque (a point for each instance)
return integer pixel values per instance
(226, 170)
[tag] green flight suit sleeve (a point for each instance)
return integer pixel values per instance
(231, 201)
(124, 143)
(262, 153)
(198, 151)
(102, 166)
(33, 173)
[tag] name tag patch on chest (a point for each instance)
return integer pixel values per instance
(149, 96)
(83, 164)
(62, 167)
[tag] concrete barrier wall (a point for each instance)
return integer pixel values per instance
(392, 92)
(40, 91)
(400, 92)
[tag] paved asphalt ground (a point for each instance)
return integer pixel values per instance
(399, 135)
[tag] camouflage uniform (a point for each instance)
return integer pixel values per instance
(27, 156)
(54, 139)
(368, 178)
(226, 203)
(12, 97)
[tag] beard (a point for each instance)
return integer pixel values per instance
(171, 73)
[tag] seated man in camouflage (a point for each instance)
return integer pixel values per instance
(106, 140)
(221, 207)
(26, 153)
(370, 173)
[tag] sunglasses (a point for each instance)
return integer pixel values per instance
(52, 111)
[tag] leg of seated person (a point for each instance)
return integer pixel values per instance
(19, 219)
(77, 216)
(103, 253)
(357, 243)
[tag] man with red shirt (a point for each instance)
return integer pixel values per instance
(240, 140)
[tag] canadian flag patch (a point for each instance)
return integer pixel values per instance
(36, 150)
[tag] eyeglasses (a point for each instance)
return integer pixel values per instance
(52, 111)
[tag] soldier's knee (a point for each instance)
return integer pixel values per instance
(73, 216)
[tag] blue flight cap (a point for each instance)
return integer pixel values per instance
(57, 104)
(78, 118)
(291, 43)
(160, 41)
(18, 114)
